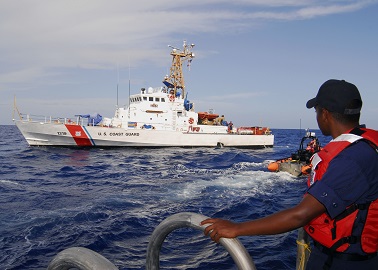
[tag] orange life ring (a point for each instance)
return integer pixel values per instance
(171, 98)
(191, 120)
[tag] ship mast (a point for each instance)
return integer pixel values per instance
(175, 81)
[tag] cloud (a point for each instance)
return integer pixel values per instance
(41, 35)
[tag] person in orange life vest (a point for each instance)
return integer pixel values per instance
(312, 146)
(345, 176)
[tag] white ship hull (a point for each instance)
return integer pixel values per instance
(60, 134)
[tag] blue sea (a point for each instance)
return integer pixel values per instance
(111, 200)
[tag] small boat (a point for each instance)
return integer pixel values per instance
(155, 117)
(253, 130)
(207, 115)
(299, 163)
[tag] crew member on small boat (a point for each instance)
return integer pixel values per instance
(340, 208)
(312, 146)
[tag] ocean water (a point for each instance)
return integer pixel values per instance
(111, 200)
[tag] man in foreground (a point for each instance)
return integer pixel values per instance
(340, 208)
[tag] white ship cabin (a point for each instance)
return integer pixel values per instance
(155, 108)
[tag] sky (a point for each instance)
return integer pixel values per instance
(257, 61)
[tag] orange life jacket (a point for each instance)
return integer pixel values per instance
(337, 234)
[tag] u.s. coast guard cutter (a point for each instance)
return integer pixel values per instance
(155, 117)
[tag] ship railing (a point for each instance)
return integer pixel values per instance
(53, 120)
(85, 259)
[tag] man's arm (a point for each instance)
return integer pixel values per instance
(280, 222)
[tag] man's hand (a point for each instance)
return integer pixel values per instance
(220, 228)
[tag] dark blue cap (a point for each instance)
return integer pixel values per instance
(336, 96)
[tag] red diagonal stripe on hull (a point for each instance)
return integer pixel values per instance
(79, 135)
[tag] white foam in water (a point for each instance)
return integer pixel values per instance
(9, 182)
(244, 183)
